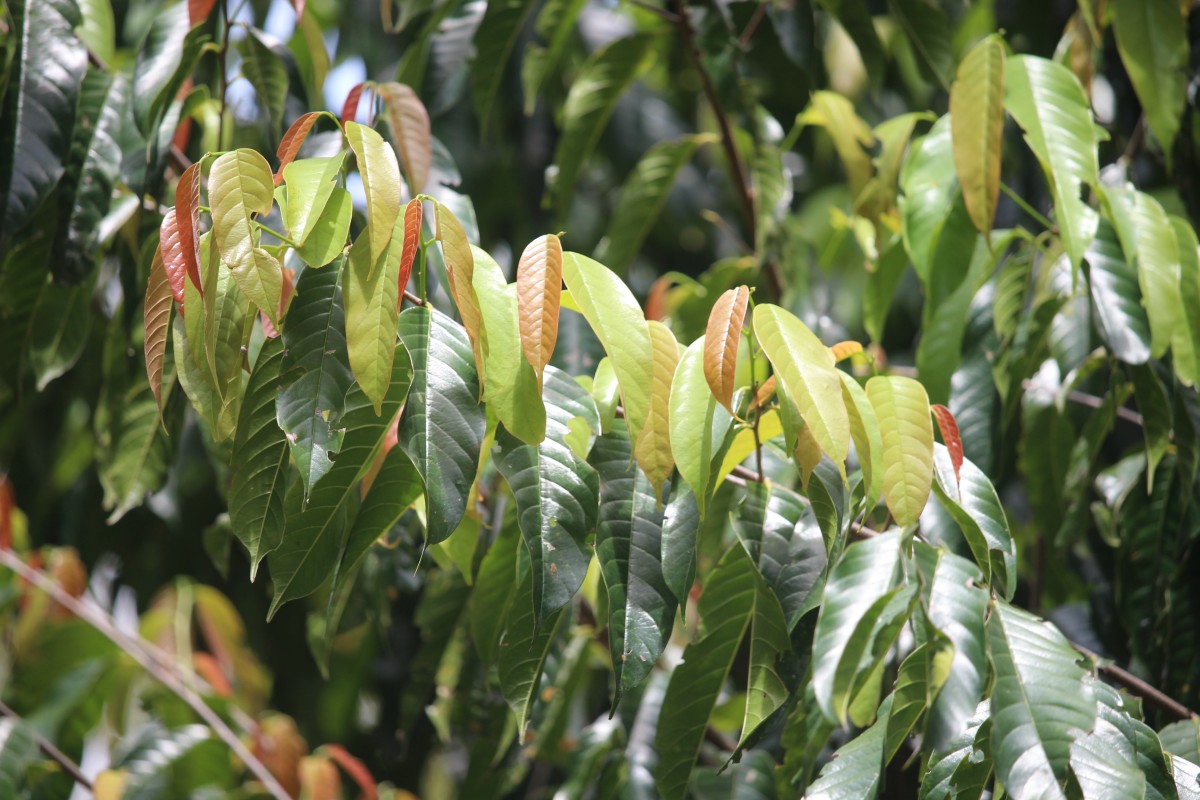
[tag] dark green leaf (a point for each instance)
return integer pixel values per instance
(1116, 298)
(268, 75)
(681, 524)
(1152, 39)
(856, 770)
(164, 61)
(494, 41)
(523, 651)
(960, 770)
(928, 30)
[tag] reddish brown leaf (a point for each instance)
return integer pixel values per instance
(657, 297)
(208, 668)
(721, 339)
(299, 6)
(843, 350)
(198, 11)
(765, 392)
(170, 256)
(350, 109)
(319, 779)
(8, 502)
(410, 132)
(157, 321)
(187, 204)
(355, 769)
(412, 243)
(949, 428)
(292, 140)
(539, 294)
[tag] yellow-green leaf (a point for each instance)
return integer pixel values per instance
(806, 367)
(460, 272)
(370, 293)
(381, 183)
(906, 431)
(721, 339)
(1153, 41)
(241, 185)
(653, 444)
(851, 136)
(977, 125)
(539, 291)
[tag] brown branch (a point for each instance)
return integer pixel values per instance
(412, 298)
(53, 753)
(164, 673)
(1136, 686)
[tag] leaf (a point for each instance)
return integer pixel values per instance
(1048, 103)
(680, 529)
(629, 540)
(315, 376)
(653, 444)
(187, 209)
(410, 131)
(372, 313)
(494, 41)
(492, 596)
(977, 127)
(722, 336)
(1155, 408)
(556, 22)
(240, 185)
(315, 534)
(172, 256)
(864, 431)
(327, 238)
(311, 182)
(395, 488)
(539, 289)
(902, 409)
(59, 329)
(460, 272)
(1182, 739)
(928, 30)
(1185, 344)
(807, 370)
(856, 769)
(927, 180)
(164, 61)
(606, 75)
(156, 319)
(381, 184)
(350, 106)
(443, 424)
(961, 770)
(1152, 41)
(139, 453)
(260, 461)
(613, 313)
(858, 592)
(1116, 299)
(293, 140)
(412, 243)
(557, 494)
(855, 17)
(267, 74)
(39, 106)
(198, 11)
(851, 136)
(523, 651)
(642, 198)
(1147, 238)
(1122, 756)
(1040, 702)
(698, 424)
(918, 681)
(950, 436)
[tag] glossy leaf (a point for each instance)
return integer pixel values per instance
(443, 424)
(412, 243)
(539, 289)
(171, 254)
(1152, 40)
(410, 131)
(372, 313)
(315, 376)
(653, 445)
(961, 770)
(293, 140)
(381, 184)
(807, 370)
(680, 529)
(492, 596)
(864, 431)
(722, 336)
(311, 182)
(976, 128)
(929, 31)
(394, 489)
(164, 61)
(951, 438)
(139, 452)
(267, 74)
(1040, 702)
(327, 238)
(1116, 298)
(856, 769)
(906, 430)
(698, 424)
(1185, 344)
(187, 210)
(928, 183)
(1122, 756)
(1048, 103)
(523, 651)
(460, 272)
(240, 186)
(1147, 238)
(59, 328)
(494, 41)
(156, 320)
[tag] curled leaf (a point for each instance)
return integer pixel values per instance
(410, 127)
(539, 291)
(949, 428)
(843, 350)
(721, 339)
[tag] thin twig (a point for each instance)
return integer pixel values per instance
(752, 26)
(53, 753)
(1135, 140)
(136, 649)
(412, 298)
(1028, 209)
(1139, 687)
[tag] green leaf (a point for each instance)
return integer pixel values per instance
(855, 17)
(316, 533)
(494, 41)
(164, 60)
(851, 135)
(859, 588)
(977, 127)
(18, 750)
(268, 75)
(680, 528)
(642, 198)
(902, 408)
(493, 593)
(927, 181)
(556, 22)
(443, 424)
(381, 183)
(973, 503)
(315, 375)
(1155, 408)
(139, 452)
(58, 329)
(1149, 244)
(92, 171)
(511, 390)
(327, 238)
(98, 28)
(1116, 298)
(240, 186)
(614, 314)
(1185, 344)
(806, 368)
(372, 296)
(962, 769)
(1048, 103)
(259, 461)
(864, 431)
(928, 30)
(395, 487)
(918, 682)
(856, 769)
(523, 651)
(1152, 40)
(311, 183)
(39, 106)
(881, 284)
(1182, 739)
(1122, 756)
(1040, 702)
(608, 73)
(629, 539)
(652, 447)
(557, 494)
(698, 424)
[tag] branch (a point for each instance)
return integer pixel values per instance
(412, 298)
(53, 753)
(163, 673)
(1136, 686)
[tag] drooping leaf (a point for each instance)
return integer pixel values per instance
(864, 431)
(918, 681)
(59, 328)
(614, 314)
(260, 461)
(722, 336)
(18, 750)
(927, 180)
(494, 41)
(1122, 756)
(851, 136)
(315, 375)
(1116, 298)
(1152, 402)
(443, 424)
(1046, 100)
(353, 98)
(460, 273)
(172, 256)
(1040, 702)
(267, 74)
(316, 533)
(698, 424)
(557, 494)
(906, 430)
(962, 768)
(1152, 40)
(603, 79)
(139, 451)
(642, 198)
(523, 651)
(492, 595)
(1182, 739)
(372, 312)
(240, 186)
(951, 438)
(164, 61)
(680, 530)
(855, 17)
(410, 131)
(48, 70)
(806, 368)
(187, 210)
(857, 767)
(1185, 344)
(381, 183)
(156, 319)
(395, 487)
(539, 289)
(653, 445)
(976, 127)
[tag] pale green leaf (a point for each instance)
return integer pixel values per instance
(902, 409)
(381, 183)
(976, 126)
